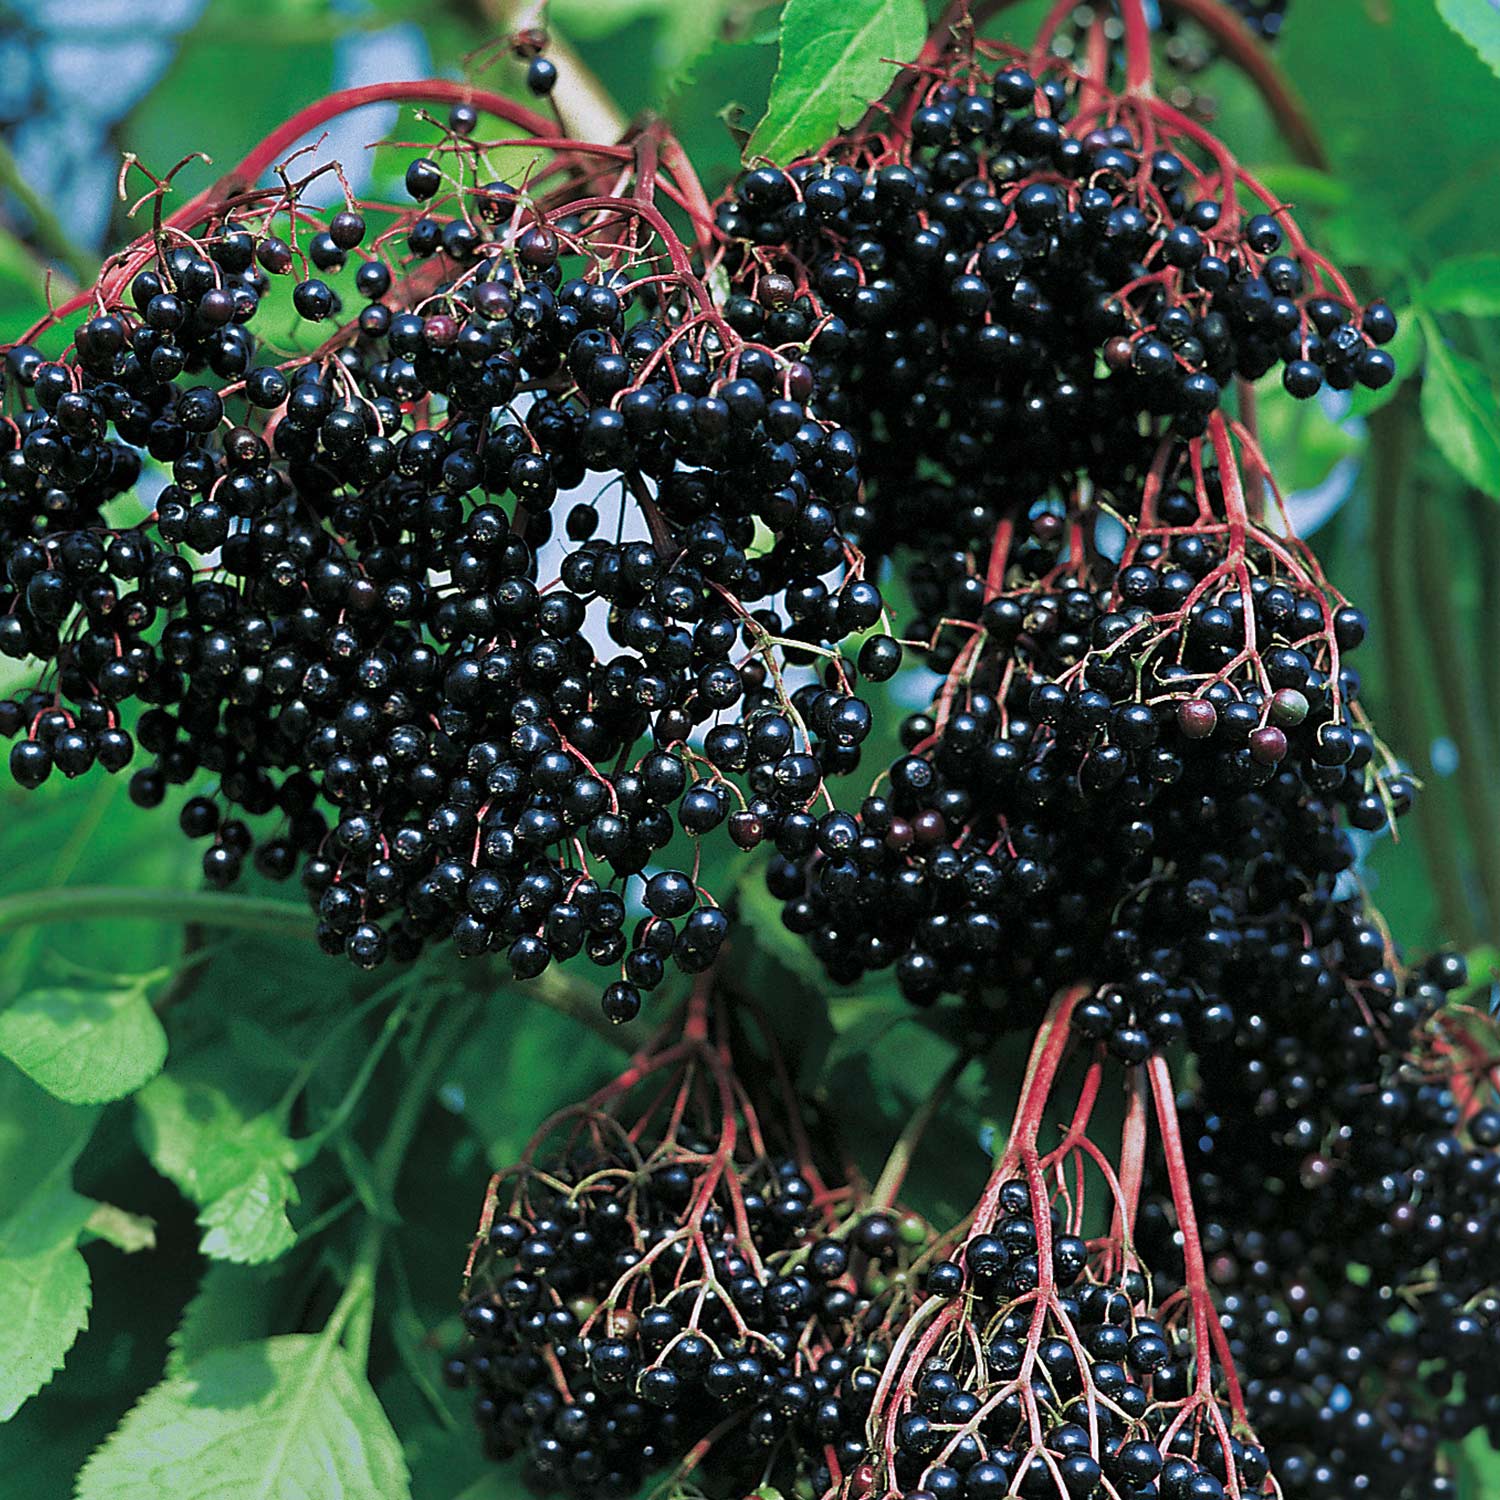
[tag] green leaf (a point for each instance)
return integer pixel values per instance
(44, 1292)
(834, 61)
(124, 1230)
(1468, 284)
(1461, 414)
(1478, 23)
(1406, 349)
(683, 31)
(231, 1306)
(85, 1046)
(1380, 146)
(1478, 1468)
(40, 1139)
(44, 1281)
(1484, 971)
(248, 1223)
(486, 1488)
(1303, 187)
(506, 1078)
(237, 1169)
(285, 1418)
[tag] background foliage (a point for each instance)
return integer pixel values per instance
(236, 1178)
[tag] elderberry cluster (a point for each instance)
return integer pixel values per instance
(1131, 779)
(676, 1297)
(1002, 302)
(1348, 1221)
(346, 608)
(1051, 1382)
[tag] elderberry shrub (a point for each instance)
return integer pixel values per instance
(1348, 1222)
(999, 300)
(1131, 778)
(349, 614)
(1061, 1385)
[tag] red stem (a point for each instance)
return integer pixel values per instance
(245, 173)
(1052, 1039)
(1208, 1331)
(1132, 1163)
(1137, 47)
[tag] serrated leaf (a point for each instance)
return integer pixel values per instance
(1406, 349)
(84, 1046)
(1478, 23)
(1468, 284)
(44, 1292)
(834, 61)
(248, 1224)
(1461, 414)
(125, 1231)
(44, 1281)
(237, 1169)
(285, 1418)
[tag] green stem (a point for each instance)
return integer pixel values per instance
(310, 1145)
(353, 1317)
(331, 1038)
(898, 1163)
(439, 1047)
(82, 903)
(1392, 430)
(46, 226)
(1459, 695)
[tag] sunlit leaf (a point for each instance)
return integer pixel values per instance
(1462, 414)
(286, 1418)
(1478, 23)
(834, 61)
(84, 1045)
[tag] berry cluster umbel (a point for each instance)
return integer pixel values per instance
(675, 1289)
(1017, 283)
(350, 605)
(1348, 1231)
(1134, 774)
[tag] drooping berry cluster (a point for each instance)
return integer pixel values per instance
(1122, 824)
(1056, 1392)
(1348, 1225)
(346, 604)
(1013, 282)
(675, 1292)
(1133, 774)
(1040, 1363)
